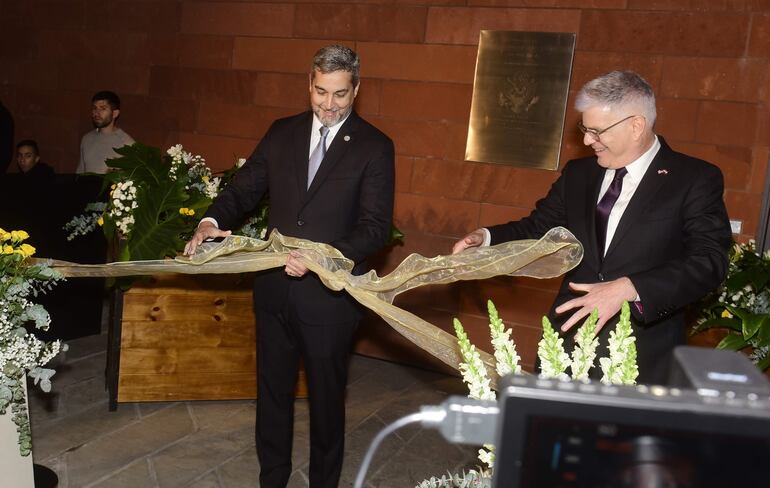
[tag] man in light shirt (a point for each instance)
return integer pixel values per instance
(331, 179)
(652, 223)
(98, 145)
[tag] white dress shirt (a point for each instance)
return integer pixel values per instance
(636, 171)
(315, 133)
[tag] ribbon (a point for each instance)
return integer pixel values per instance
(557, 252)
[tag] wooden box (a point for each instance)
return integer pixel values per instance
(187, 338)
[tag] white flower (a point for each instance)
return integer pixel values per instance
(241, 162)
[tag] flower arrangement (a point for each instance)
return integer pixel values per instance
(619, 368)
(741, 305)
(21, 353)
(156, 201)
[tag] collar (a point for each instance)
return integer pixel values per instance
(638, 167)
(332, 130)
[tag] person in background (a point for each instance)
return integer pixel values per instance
(331, 179)
(98, 145)
(28, 161)
(651, 220)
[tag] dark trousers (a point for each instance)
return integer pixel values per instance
(282, 340)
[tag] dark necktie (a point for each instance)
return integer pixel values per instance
(317, 156)
(605, 205)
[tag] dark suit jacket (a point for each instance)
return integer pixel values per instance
(349, 205)
(671, 241)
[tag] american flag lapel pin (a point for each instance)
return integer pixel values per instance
(662, 171)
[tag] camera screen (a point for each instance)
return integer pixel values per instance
(577, 453)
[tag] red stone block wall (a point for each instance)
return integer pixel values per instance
(212, 75)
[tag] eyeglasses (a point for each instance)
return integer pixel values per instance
(596, 134)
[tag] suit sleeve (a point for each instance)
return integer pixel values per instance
(702, 267)
(375, 206)
(549, 212)
(245, 190)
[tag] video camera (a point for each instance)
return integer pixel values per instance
(709, 427)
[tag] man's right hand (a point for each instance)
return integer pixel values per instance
(474, 239)
(206, 230)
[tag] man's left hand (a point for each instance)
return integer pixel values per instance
(294, 266)
(607, 297)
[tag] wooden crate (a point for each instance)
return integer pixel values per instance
(189, 338)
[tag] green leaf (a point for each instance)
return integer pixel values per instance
(752, 323)
(759, 277)
(141, 164)
(732, 342)
(737, 281)
(719, 322)
(763, 336)
(158, 224)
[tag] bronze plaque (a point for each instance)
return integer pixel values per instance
(519, 98)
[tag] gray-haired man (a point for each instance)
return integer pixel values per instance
(651, 220)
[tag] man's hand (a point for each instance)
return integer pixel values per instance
(607, 297)
(206, 230)
(474, 239)
(294, 266)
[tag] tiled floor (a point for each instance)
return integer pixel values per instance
(211, 444)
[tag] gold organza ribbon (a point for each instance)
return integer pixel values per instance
(557, 252)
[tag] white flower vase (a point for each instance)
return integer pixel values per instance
(15, 468)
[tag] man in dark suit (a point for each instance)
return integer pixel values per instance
(331, 179)
(651, 220)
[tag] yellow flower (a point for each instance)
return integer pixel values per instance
(4, 236)
(18, 235)
(7, 249)
(205, 179)
(190, 212)
(113, 186)
(26, 250)
(186, 211)
(726, 314)
(100, 221)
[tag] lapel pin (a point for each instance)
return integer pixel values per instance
(662, 171)
(346, 138)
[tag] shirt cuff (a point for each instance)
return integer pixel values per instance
(487, 237)
(209, 219)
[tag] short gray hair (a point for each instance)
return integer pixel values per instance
(333, 58)
(618, 89)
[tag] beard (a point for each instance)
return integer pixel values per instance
(101, 123)
(329, 120)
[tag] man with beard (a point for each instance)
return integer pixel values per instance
(651, 220)
(331, 179)
(98, 145)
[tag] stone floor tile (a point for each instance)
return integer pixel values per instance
(72, 372)
(208, 481)
(357, 443)
(240, 471)
(204, 450)
(360, 366)
(298, 479)
(84, 346)
(70, 433)
(135, 475)
(413, 464)
(147, 408)
(207, 412)
(112, 451)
